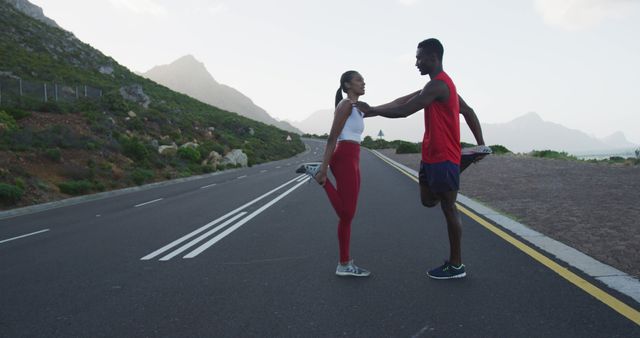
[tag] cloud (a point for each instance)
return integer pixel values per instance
(408, 2)
(145, 7)
(216, 9)
(582, 14)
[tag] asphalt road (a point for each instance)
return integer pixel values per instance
(253, 253)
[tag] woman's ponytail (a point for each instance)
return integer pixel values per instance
(338, 96)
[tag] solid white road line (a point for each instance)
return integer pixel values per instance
(212, 223)
(201, 237)
(234, 227)
(209, 186)
(278, 167)
(302, 178)
(241, 177)
(22, 236)
(145, 203)
(263, 171)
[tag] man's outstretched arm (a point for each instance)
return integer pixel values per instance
(472, 121)
(399, 101)
(433, 90)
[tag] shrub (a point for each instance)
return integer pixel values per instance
(498, 149)
(208, 168)
(134, 149)
(50, 107)
(105, 166)
(99, 186)
(75, 187)
(8, 121)
(20, 183)
(189, 154)
(17, 113)
(552, 154)
(408, 148)
(53, 154)
(92, 145)
(61, 136)
(140, 176)
(616, 159)
(10, 194)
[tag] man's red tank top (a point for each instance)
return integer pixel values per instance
(441, 140)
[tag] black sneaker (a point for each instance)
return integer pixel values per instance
(447, 271)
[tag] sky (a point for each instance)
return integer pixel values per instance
(573, 62)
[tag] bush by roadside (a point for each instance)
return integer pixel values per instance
(10, 194)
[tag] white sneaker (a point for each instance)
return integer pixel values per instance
(484, 150)
(351, 269)
(310, 168)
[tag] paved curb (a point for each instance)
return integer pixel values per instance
(610, 276)
(32, 209)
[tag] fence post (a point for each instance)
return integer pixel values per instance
(20, 84)
(0, 94)
(45, 92)
(56, 91)
(76, 92)
(100, 92)
(85, 90)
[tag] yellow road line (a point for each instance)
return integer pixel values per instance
(617, 305)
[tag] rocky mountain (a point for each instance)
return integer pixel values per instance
(74, 121)
(32, 10)
(317, 123)
(617, 140)
(189, 76)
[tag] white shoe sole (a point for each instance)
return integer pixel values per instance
(452, 277)
(352, 274)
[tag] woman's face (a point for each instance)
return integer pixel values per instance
(356, 85)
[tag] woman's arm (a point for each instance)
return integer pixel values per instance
(340, 116)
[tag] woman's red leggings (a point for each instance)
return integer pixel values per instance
(345, 166)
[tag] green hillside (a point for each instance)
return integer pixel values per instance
(109, 139)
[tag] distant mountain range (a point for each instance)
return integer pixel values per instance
(189, 76)
(522, 134)
(530, 131)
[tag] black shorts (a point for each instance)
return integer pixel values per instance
(440, 177)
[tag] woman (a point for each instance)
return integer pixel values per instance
(342, 154)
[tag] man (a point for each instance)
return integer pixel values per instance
(441, 153)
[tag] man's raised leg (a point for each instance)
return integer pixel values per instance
(428, 198)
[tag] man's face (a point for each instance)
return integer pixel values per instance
(424, 61)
